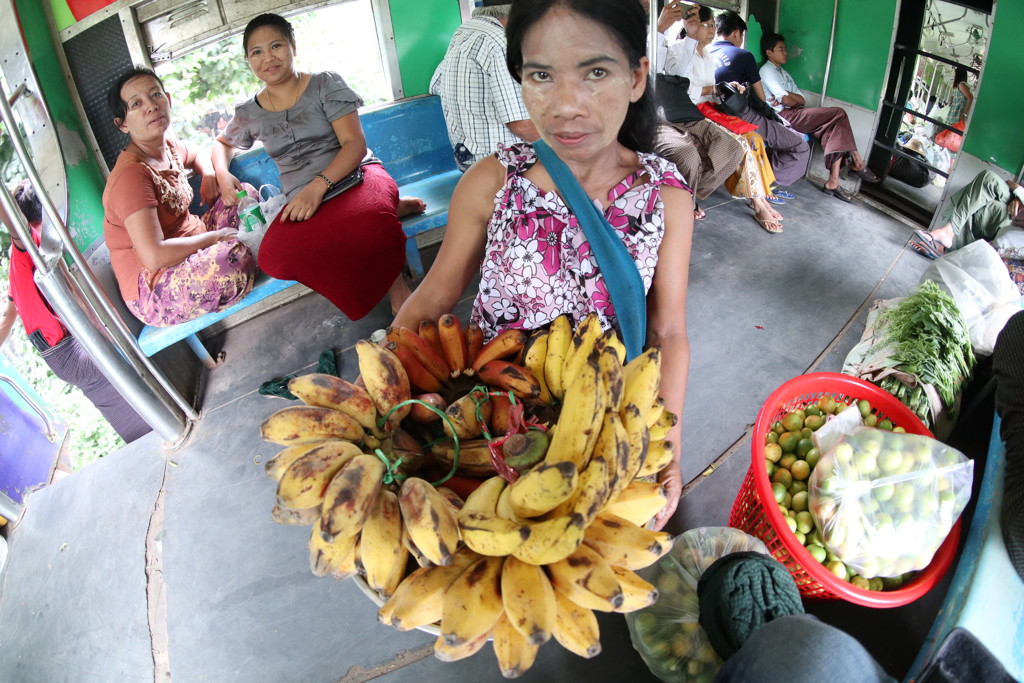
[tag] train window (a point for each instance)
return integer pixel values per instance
(208, 82)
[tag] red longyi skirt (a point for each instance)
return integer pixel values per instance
(350, 251)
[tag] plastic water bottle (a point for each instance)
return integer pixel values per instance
(250, 216)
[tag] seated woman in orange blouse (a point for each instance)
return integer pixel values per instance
(171, 266)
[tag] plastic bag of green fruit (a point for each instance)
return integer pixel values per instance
(667, 634)
(884, 501)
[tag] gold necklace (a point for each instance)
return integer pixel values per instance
(295, 97)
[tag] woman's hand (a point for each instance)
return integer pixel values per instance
(672, 479)
(223, 235)
(229, 187)
(306, 202)
(739, 87)
(670, 14)
(209, 189)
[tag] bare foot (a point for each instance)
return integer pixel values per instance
(764, 210)
(698, 214)
(767, 221)
(398, 293)
(407, 206)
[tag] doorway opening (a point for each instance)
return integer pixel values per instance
(937, 59)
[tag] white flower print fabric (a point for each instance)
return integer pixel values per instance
(537, 261)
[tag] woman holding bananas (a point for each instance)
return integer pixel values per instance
(584, 76)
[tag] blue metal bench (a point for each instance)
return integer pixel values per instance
(410, 137)
(985, 595)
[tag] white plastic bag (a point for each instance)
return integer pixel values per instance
(884, 502)
(984, 292)
(1009, 243)
(270, 205)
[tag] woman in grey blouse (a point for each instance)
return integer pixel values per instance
(350, 248)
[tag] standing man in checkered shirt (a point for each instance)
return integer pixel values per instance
(482, 104)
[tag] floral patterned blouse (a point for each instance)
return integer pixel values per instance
(537, 261)
(133, 185)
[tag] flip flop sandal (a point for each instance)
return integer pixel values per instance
(774, 199)
(838, 192)
(924, 250)
(930, 246)
(768, 224)
(785, 194)
(867, 175)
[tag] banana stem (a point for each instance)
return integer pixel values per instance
(443, 416)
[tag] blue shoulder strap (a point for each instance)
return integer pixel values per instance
(625, 285)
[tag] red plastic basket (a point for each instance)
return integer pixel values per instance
(767, 523)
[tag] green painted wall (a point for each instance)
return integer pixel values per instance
(62, 15)
(993, 136)
(862, 43)
(85, 181)
(806, 24)
(422, 33)
(861, 53)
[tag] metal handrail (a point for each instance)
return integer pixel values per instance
(94, 293)
(898, 151)
(22, 89)
(906, 110)
(51, 433)
(938, 58)
(88, 288)
(831, 46)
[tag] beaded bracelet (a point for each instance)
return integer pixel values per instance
(330, 183)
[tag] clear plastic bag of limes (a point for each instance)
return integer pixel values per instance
(885, 501)
(667, 634)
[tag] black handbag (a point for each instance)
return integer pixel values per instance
(733, 101)
(913, 172)
(671, 93)
(763, 108)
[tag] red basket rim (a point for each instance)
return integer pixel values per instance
(847, 385)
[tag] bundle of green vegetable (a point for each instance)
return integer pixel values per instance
(927, 338)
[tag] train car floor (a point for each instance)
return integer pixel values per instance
(160, 565)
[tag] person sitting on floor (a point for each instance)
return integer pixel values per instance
(707, 152)
(787, 149)
(830, 125)
(171, 266)
(750, 609)
(977, 211)
(349, 247)
(911, 169)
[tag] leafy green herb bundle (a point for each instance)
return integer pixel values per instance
(929, 339)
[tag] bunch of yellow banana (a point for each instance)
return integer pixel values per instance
(360, 525)
(520, 581)
(329, 476)
(612, 426)
(516, 563)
